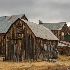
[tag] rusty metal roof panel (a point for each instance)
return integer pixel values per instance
(40, 31)
(54, 26)
(7, 21)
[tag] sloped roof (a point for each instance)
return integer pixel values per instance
(40, 31)
(6, 22)
(54, 26)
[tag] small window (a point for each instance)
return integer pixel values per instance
(49, 48)
(62, 33)
(45, 46)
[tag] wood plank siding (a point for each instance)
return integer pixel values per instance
(2, 48)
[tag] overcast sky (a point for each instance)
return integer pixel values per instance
(35, 10)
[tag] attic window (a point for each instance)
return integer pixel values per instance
(10, 18)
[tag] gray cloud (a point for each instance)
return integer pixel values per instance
(45, 10)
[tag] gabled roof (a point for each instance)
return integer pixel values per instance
(54, 26)
(7, 21)
(40, 31)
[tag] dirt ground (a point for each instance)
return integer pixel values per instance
(62, 63)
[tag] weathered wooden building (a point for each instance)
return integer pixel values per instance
(25, 40)
(59, 29)
(5, 22)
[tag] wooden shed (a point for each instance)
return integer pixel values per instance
(25, 40)
(5, 22)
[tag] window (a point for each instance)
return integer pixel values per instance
(49, 48)
(45, 46)
(19, 30)
(62, 35)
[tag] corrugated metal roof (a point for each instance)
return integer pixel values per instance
(40, 31)
(6, 22)
(54, 26)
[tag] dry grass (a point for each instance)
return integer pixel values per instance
(62, 64)
(64, 58)
(32, 66)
